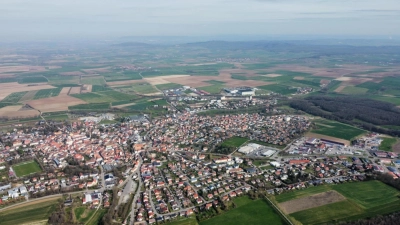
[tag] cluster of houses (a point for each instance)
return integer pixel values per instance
(187, 129)
(227, 103)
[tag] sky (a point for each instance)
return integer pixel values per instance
(51, 19)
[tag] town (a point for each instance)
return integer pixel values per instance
(178, 165)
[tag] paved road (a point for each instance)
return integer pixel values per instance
(137, 194)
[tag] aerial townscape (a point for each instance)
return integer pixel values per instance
(200, 112)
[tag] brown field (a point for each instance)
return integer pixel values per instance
(86, 88)
(97, 70)
(125, 105)
(28, 96)
(344, 78)
(324, 72)
(312, 201)
(319, 136)
(124, 82)
(325, 81)
(73, 73)
(201, 81)
(340, 88)
(8, 88)
(64, 91)
(163, 79)
(17, 112)
(272, 75)
(298, 78)
(240, 71)
(75, 90)
(396, 147)
(13, 69)
(357, 80)
(55, 104)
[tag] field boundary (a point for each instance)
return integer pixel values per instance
(279, 211)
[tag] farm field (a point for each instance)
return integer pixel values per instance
(168, 86)
(26, 168)
(143, 88)
(234, 142)
(93, 97)
(55, 104)
(280, 89)
(91, 106)
(362, 199)
(14, 97)
(213, 89)
(47, 93)
(30, 212)
(337, 130)
(97, 80)
(350, 90)
(26, 80)
(247, 212)
(387, 144)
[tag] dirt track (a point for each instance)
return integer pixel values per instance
(312, 201)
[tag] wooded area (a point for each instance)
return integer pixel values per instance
(366, 113)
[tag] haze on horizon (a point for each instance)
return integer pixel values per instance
(49, 19)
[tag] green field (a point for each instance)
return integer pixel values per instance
(168, 86)
(26, 80)
(26, 168)
(104, 96)
(234, 142)
(66, 81)
(387, 144)
(199, 70)
(213, 89)
(256, 66)
(280, 89)
(349, 90)
(337, 130)
(83, 214)
(14, 97)
(328, 213)
(8, 80)
(393, 100)
(91, 106)
(363, 199)
(47, 93)
(368, 194)
(97, 88)
(144, 88)
(247, 212)
(94, 80)
(28, 213)
(93, 97)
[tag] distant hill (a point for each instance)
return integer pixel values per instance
(133, 44)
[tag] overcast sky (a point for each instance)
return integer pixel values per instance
(25, 19)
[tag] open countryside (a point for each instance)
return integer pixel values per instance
(362, 198)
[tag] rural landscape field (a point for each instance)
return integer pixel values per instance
(62, 84)
(313, 107)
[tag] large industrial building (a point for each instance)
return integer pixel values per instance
(241, 91)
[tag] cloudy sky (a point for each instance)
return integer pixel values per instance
(24, 19)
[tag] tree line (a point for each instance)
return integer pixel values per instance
(366, 113)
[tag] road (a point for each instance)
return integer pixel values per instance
(137, 194)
